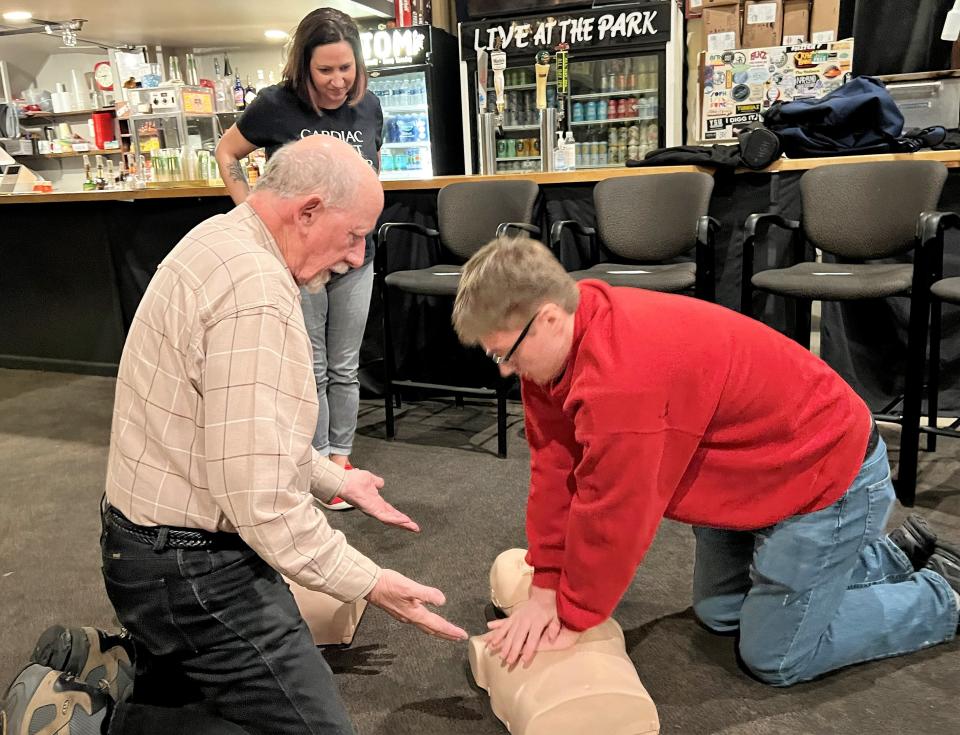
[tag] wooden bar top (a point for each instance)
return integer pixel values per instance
(950, 158)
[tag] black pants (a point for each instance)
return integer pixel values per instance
(218, 631)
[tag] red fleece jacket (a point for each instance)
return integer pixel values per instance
(678, 408)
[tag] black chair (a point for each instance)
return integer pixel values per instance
(644, 221)
(469, 215)
(942, 291)
(857, 213)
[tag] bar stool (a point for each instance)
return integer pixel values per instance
(469, 215)
(646, 222)
(858, 213)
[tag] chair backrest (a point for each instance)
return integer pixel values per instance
(863, 211)
(652, 217)
(468, 214)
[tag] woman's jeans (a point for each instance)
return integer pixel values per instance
(335, 319)
(820, 591)
(218, 631)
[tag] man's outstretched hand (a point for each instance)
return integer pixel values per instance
(362, 490)
(404, 599)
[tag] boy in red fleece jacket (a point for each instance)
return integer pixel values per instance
(641, 406)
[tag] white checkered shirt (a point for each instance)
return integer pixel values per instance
(216, 407)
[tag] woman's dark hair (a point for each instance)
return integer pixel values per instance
(323, 26)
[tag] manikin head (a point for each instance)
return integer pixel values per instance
(516, 301)
(318, 199)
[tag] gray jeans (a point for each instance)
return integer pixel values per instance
(335, 319)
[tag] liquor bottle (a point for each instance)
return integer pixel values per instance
(249, 94)
(238, 93)
(227, 71)
(174, 74)
(261, 81)
(220, 96)
(88, 183)
(111, 175)
(100, 181)
(253, 173)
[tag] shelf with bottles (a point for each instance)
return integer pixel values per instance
(613, 120)
(518, 158)
(403, 109)
(78, 154)
(32, 114)
(519, 128)
(616, 93)
(520, 87)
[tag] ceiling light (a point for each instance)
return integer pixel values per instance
(275, 35)
(17, 15)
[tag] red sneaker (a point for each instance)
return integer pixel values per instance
(336, 502)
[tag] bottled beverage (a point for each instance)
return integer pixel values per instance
(559, 154)
(174, 74)
(271, 79)
(192, 76)
(423, 133)
(570, 151)
(261, 81)
(88, 183)
(249, 94)
(386, 161)
(238, 94)
(227, 71)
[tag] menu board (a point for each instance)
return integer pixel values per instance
(738, 86)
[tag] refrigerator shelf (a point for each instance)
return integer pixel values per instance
(620, 93)
(518, 158)
(417, 144)
(515, 128)
(515, 87)
(400, 109)
(612, 120)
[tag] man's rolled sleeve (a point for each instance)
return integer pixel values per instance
(326, 477)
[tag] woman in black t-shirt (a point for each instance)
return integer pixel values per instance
(323, 92)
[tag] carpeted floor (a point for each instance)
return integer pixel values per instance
(443, 471)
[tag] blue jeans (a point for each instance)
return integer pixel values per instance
(823, 590)
(335, 319)
(217, 631)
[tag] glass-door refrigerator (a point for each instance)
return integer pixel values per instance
(619, 104)
(415, 73)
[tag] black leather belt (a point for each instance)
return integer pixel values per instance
(169, 537)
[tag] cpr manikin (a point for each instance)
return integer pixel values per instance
(590, 687)
(331, 622)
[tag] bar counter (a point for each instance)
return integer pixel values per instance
(73, 273)
(586, 176)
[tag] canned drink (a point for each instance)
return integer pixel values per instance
(611, 110)
(502, 148)
(633, 151)
(580, 154)
(534, 146)
(521, 147)
(511, 148)
(577, 112)
(590, 110)
(594, 153)
(622, 108)
(602, 153)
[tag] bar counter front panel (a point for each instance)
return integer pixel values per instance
(75, 266)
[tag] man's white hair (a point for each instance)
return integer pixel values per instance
(294, 171)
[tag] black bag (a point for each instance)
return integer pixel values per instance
(755, 148)
(858, 118)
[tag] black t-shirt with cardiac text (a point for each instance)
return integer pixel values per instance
(277, 117)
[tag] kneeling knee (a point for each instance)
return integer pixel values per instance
(715, 618)
(769, 669)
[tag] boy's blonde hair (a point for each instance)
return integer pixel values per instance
(504, 284)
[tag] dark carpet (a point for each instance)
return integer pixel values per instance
(443, 471)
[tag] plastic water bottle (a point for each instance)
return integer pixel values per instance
(570, 152)
(559, 154)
